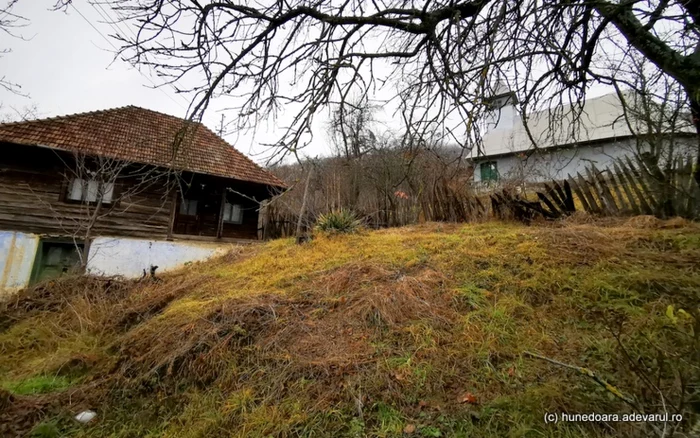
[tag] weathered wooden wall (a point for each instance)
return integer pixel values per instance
(32, 182)
(32, 199)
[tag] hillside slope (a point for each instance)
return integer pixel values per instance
(417, 331)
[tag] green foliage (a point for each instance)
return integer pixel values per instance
(37, 385)
(430, 431)
(388, 419)
(338, 221)
(46, 429)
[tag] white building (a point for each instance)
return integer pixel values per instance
(602, 136)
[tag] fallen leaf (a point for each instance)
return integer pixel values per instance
(410, 428)
(422, 403)
(511, 371)
(468, 397)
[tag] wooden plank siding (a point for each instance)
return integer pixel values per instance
(32, 199)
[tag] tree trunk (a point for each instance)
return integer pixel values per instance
(88, 236)
(695, 114)
(300, 237)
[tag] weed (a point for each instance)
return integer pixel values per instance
(338, 221)
(37, 385)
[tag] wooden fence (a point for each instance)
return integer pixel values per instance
(625, 188)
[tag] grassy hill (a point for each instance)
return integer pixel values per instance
(417, 331)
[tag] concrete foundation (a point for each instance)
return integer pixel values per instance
(109, 256)
(130, 257)
(17, 252)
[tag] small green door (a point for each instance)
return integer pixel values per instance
(54, 259)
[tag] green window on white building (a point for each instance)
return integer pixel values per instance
(489, 171)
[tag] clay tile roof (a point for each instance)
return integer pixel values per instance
(142, 136)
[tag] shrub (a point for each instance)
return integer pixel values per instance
(338, 221)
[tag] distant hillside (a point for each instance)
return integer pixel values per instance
(416, 331)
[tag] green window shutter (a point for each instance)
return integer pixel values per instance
(489, 171)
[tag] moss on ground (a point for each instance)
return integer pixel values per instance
(416, 331)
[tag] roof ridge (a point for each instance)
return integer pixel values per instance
(183, 119)
(232, 146)
(117, 131)
(65, 116)
(101, 111)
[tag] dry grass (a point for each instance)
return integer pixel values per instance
(359, 335)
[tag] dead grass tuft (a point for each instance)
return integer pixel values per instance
(336, 327)
(331, 326)
(579, 217)
(56, 295)
(676, 222)
(643, 222)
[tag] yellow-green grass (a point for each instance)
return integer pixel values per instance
(369, 334)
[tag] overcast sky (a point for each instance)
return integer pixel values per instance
(66, 66)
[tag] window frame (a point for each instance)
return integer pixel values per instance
(188, 202)
(85, 192)
(229, 213)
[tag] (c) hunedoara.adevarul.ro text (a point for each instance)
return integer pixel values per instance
(563, 417)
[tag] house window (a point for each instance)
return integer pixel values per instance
(188, 207)
(233, 213)
(90, 190)
(489, 171)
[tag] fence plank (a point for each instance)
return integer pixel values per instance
(692, 190)
(607, 194)
(632, 183)
(549, 204)
(676, 190)
(621, 199)
(585, 188)
(568, 196)
(649, 197)
(554, 196)
(579, 194)
(560, 192)
(604, 201)
(621, 182)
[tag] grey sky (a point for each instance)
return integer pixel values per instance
(65, 66)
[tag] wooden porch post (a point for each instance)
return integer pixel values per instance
(173, 206)
(220, 228)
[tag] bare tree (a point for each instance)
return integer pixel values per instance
(439, 58)
(351, 129)
(657, 113)
(14, 114)
(9, 23)
(99, 187)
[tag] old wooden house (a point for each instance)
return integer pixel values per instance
(119, 191)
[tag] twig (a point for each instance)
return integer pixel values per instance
(585, 371)
(616, 392)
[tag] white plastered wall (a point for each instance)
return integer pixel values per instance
(130, 257)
